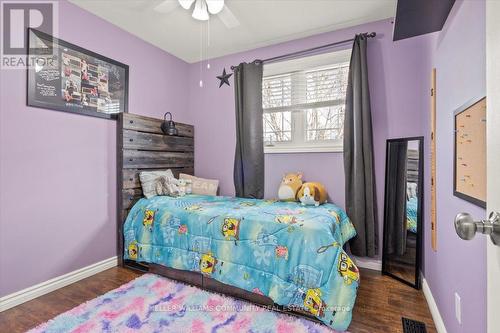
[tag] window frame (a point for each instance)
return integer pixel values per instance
(299, 142)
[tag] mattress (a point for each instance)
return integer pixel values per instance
(290, 253)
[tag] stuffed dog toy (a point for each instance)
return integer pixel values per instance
(312, 193)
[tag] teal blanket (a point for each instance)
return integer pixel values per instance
(290, 253)
(411, 214)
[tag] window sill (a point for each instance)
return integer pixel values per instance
(301, 150)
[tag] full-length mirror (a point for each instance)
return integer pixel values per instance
(403, 210)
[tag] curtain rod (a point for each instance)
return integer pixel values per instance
(306, 51)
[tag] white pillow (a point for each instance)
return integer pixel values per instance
(411, 190)
(149, 179)
(202, 186)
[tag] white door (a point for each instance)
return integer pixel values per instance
(493, 156)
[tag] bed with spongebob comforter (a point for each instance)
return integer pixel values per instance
(290, 253)
(411, 214)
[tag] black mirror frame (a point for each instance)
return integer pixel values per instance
(420, 205)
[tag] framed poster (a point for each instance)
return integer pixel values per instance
(470, 152)
(66, 77)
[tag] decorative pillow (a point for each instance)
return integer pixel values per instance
(202, 186)
(149, 180)
(411, 190)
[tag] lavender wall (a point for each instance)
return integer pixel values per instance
(398, 98)
(57, 172)
(458, 266)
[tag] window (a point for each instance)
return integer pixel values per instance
(304, 102)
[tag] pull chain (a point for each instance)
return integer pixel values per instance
(201, 55)
(208, 43)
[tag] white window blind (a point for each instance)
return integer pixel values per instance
(277, 92)
(303, 101)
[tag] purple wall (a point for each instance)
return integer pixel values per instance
(57, 172)
(398, 98)
(459, 56)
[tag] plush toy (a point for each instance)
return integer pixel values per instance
(169, 185)
(290, 185)
(312, 193)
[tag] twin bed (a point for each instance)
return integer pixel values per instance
(270, 253)
(412, 214)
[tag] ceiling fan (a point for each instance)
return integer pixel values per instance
(201, 10)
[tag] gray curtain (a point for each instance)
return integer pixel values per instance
(249, 156)
(395, 206)
(360, 197)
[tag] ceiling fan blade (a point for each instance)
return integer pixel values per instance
(166, 6)
(227, 17)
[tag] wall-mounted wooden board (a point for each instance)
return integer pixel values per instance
(470, 152)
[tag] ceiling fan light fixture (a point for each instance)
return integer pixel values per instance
(200, 11)
(215, 6)
(186, 4)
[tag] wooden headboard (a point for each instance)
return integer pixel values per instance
(141, 145)
(412, 165)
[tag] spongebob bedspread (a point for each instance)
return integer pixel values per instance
(290, 253)
(411, 214)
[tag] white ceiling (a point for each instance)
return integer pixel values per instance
(262, 22)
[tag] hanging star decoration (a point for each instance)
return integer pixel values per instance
(224, 78)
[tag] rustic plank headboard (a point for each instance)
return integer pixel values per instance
(141, 145)
(412, 166)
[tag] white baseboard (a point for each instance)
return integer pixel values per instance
(436, 316)
(46, 287)
(373, 264)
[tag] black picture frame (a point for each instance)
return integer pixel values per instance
(416, 283)
(456, 193)
(76, 107)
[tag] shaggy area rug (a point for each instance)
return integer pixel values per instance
(152, 303)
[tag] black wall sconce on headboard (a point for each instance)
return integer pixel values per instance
(168, 126)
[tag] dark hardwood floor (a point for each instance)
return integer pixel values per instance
(380, 304)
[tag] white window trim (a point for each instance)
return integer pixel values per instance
(295, 149)
(299, 143)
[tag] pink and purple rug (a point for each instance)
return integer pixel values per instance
(152, 303)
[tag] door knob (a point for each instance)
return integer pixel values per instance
(466, 227)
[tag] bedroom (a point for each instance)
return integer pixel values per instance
(125, 64)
